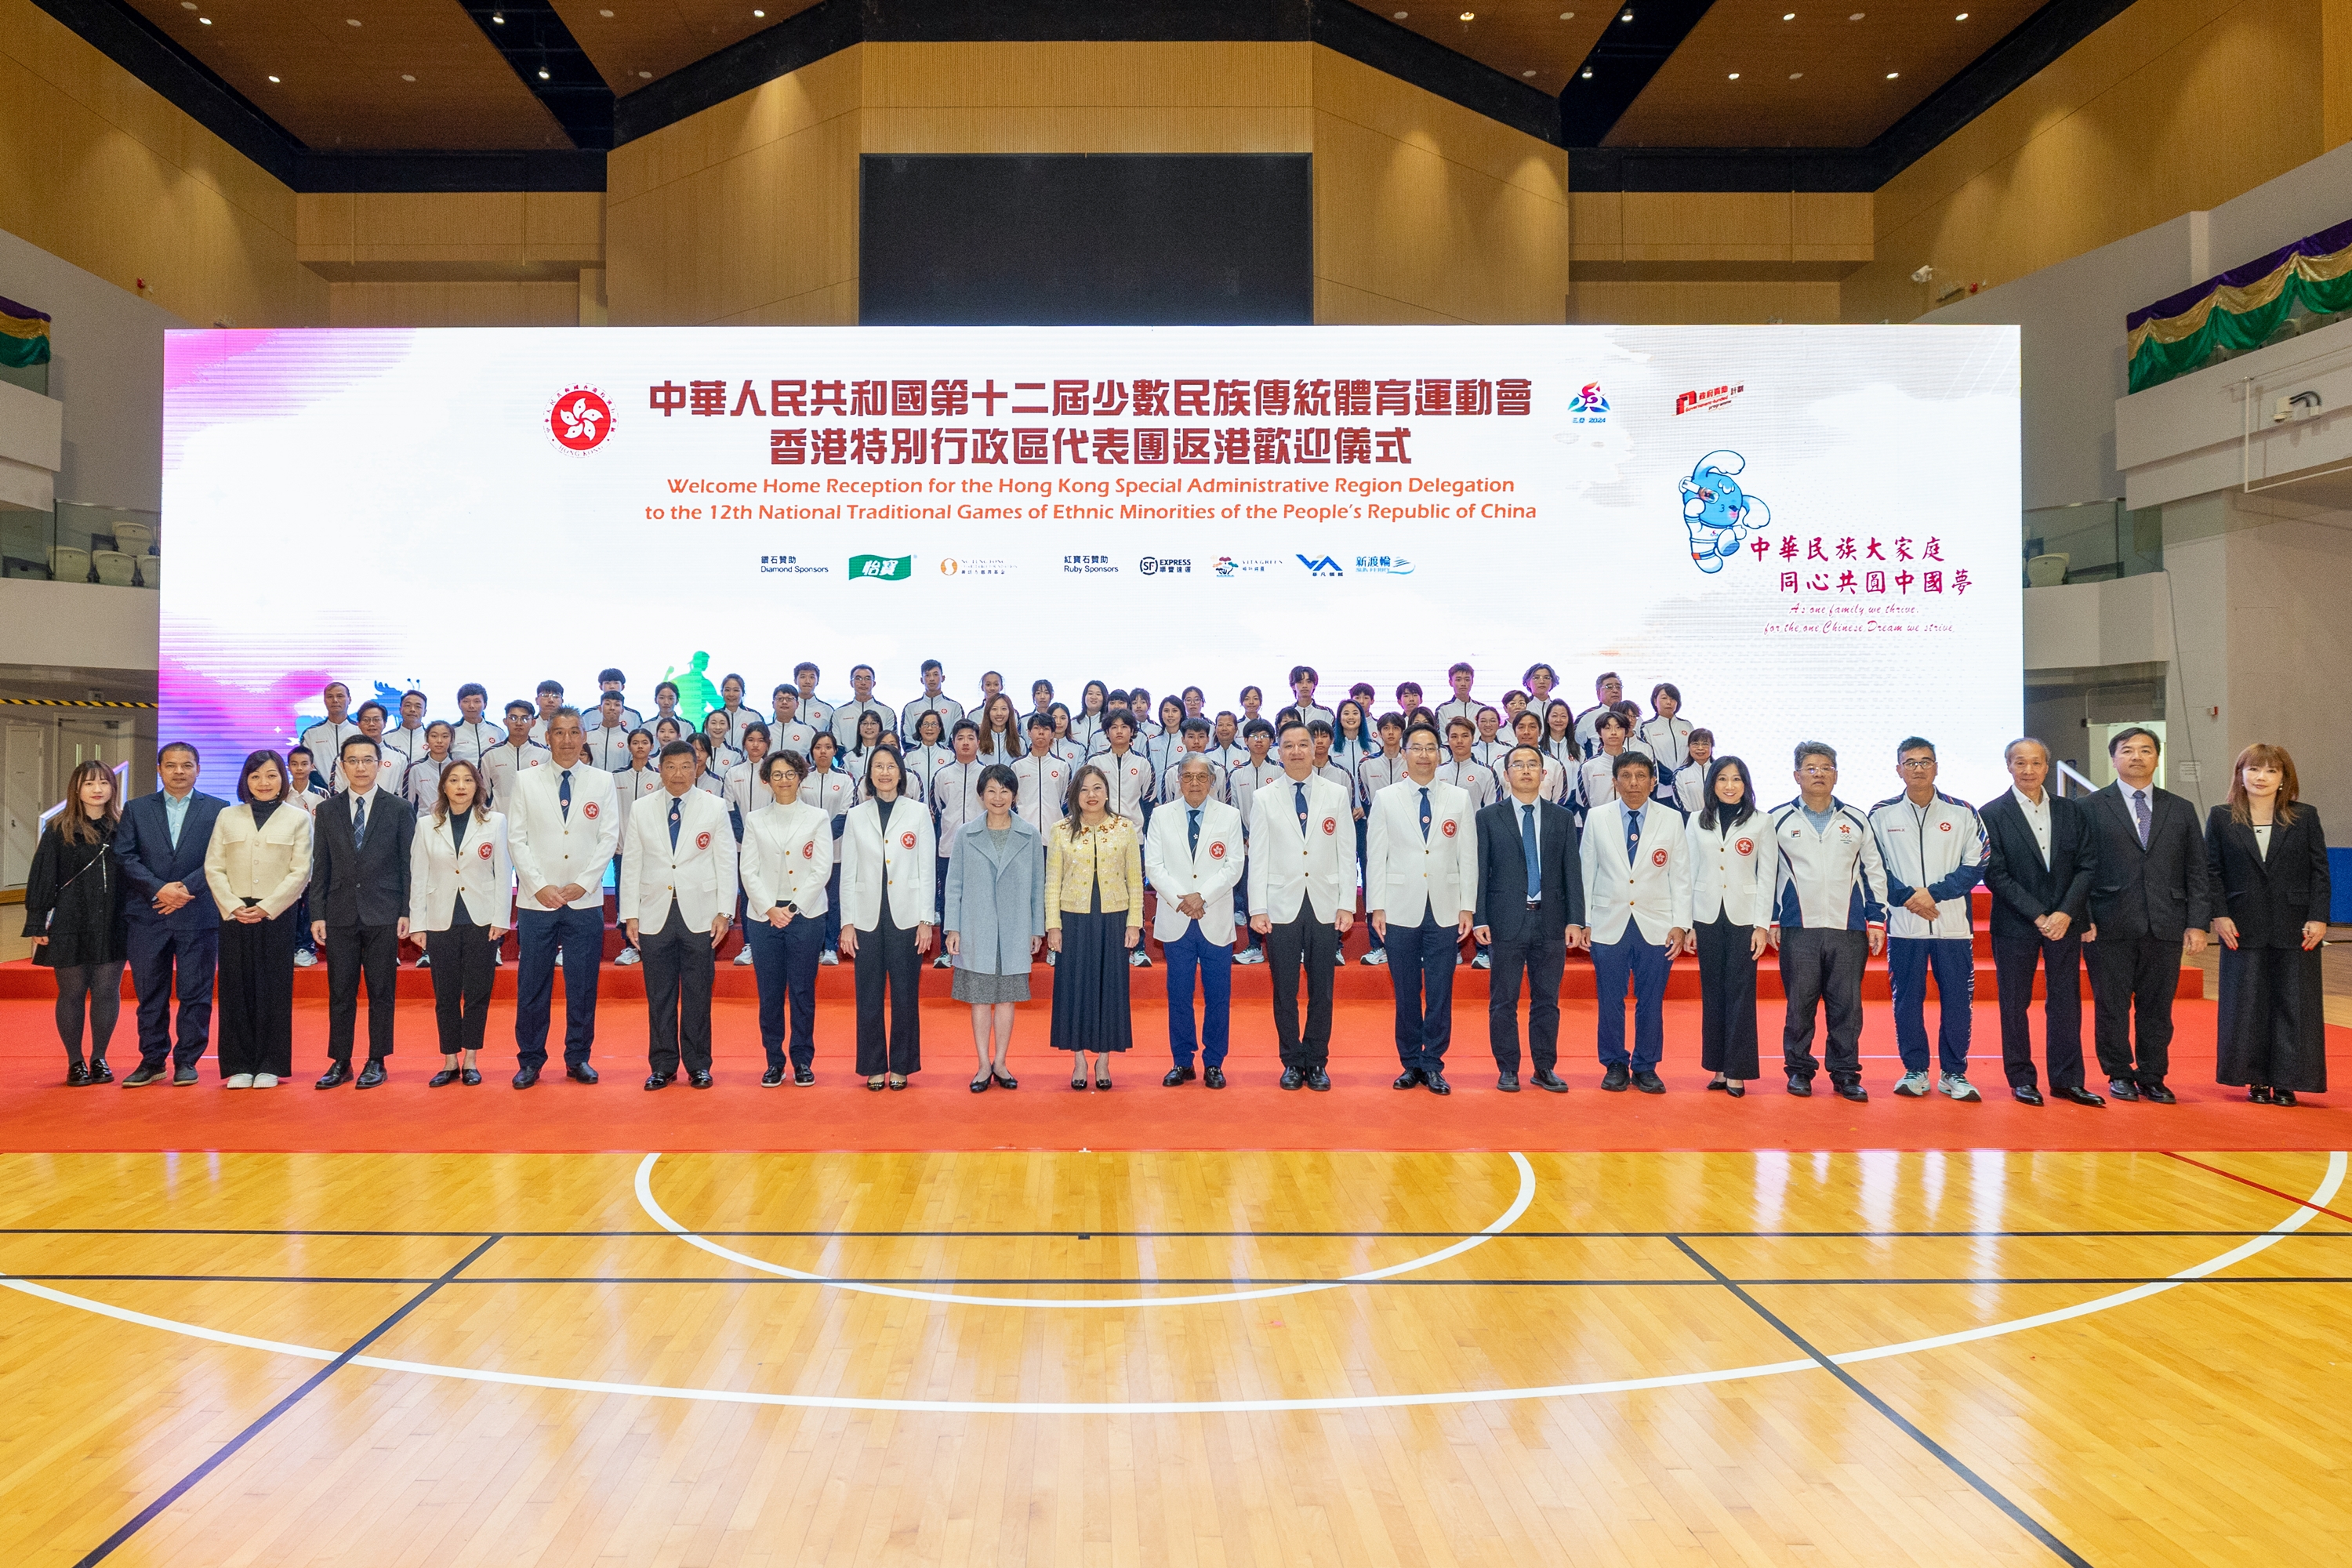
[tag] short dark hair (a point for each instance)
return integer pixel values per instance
(931, 664)
(1603, 678)
(792, 760)
(997, 772)
(519, 703)
(168, 747)
(1196, 727)
(1258, 727)
(1815, 749)
(782, 687)
(885, 750)
(412, 692)
(2120, 736)
(609, 674)
(307, 755)
(1632, 760)
(1460, 666)
(473, 688)
(960, 726)
(1611, 716)
(252, 763)
(1293, 723)
(807, 665)
(1537, 752)
(1459, 722)
(603, 698)
(1915, 743)
(380, 711)
(349, 741)
(1423, 727)
(1036, 721)
(1299, 672)
(855, 668)
(550, 685)
(1702, 733)
(1387, 721)
(1668, 688)
(1319, 726)
(676, 748)
(1118, 716)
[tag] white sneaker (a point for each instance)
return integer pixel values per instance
(744, 959)
(424, 962)
(1484, 961)
(237, 1080)
(1911, 1085)
(265, 1080)
(828, 957)
(1250, 956)
(628, 956)
(1139, 959)
(1957, 1086)
(304, 958)
(943, 962)
(1377, 957)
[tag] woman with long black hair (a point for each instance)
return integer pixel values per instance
(1732, 861)
(73, 913)
(257, 864)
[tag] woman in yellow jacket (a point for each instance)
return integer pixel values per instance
(1094, 914)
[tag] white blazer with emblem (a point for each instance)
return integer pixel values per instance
(1286, 867)
(440, 869)
(1406, 874)
(551, 848)
(1732, 870)
(1655, 892)
(868, 860)
(1174, 867)
(787, 857)
(699, 872)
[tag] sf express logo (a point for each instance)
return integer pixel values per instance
(579, 419)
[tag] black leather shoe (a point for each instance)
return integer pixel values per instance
(1215, 1077)
(2157, 1094)
(582, 1073)
(1719, 1083)
(1508, 1082)
(1649, 1083)
(183, 1078)
(699, 1079)
(1851, 1089)
(1409, 1078)
(1734, 1090)
(373, 1075)
(1435, 1083)
(1293, 1078)
(142, 1075)
(1004, 1080)
(525, 1076)
(98, 1071)
(2284, 1097)
(470, 1077)
(336, 1075)
(1547, 1080)
(2028, 1095)
(1177, 1078)
(77, 1075)
(1319, 1080)
(658, 1081)
(2078, 1095)
(1801, 1086)
(1615, 1079)
(803, 1076)
(443, 1079)
(2121, 1089)
(773, 1078)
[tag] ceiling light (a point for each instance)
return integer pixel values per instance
(1794, 75)
(187, 5)
(273, 78)
(500, 17)
(207, 21)
(543, 73)
(1568, 15)
(1628, 15)
(1586, 73)
(1526, 73)
(758, 13)
(1469, 16)
(405, 77)
(1735, 76)
(351, 21)
(647, 75)
(1401, 16)
(1891, 74)
(603, 13)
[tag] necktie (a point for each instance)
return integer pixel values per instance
(673, 822)
(1632, 836)
(1527, 843)
(2140, 813)
(1193, 830)
(563, 794)
(1424, 813)
(1300, 791)
(359, 822)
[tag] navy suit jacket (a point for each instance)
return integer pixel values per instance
(1502, 905)
(143, 844)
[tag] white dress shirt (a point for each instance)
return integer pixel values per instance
(2037, 817)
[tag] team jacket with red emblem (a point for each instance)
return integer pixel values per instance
(1830, 878)
(902, 853)
(1939, 847)
(694, 875)
(1408, 871)
(1732, 866)
(787, 859)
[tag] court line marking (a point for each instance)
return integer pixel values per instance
(659, 1216)
(2301, 1215)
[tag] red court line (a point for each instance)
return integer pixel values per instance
(2249, 1181)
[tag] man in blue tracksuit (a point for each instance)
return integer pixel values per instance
(1829, 918)
(1934, 849)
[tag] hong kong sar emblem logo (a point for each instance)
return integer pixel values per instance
(579, 419)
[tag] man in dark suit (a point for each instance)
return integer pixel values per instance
(173, 942)
(2039, 863)
(1530, 911)
(359, 887)
(2147, 893)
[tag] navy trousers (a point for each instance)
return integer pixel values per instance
(1421, 972)
(168, 962)
(1953, 962)
(1216, 963)
(784, 964)
(579, 934)
(1647, 964)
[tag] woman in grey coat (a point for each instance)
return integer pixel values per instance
(994, 917)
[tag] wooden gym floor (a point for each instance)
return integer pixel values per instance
(988, 1358)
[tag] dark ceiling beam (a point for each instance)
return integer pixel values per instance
(556, 169)
(550, 62)
(1638, 41)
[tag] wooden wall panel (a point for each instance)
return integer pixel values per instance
(1630, 236)
(2175, 106)
(449, 238)
(101, 172)
(1677, 304)
(468, 304)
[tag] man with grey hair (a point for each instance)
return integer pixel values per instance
(2038, 857)
(1829, 919)
(1194, 854)
(562, 825)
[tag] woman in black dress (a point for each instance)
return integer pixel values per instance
(2266, 857)
(1094, 914)
(73, 913)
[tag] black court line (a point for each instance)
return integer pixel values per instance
(1950, 1460)
(179, 1488)
(1073, 1234)
(914, 1281)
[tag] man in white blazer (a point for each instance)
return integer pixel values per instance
(1420, 890)
(1637, 899)
(563, 822)
(678, 888)
(1193, 855)
(1301, 899)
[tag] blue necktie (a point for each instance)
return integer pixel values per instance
(1424, 813)
(359, 822)
(563, 794)
(1527, 843)
(1632, 836)
(673, 822)
(1300, 790)
(1193, 830)
(2140, 813)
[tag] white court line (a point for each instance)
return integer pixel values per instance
(1510, 1217)
(2301, 1216)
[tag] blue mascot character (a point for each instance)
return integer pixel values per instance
(1719, 514)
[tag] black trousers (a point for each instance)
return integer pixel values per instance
(462, 969)
(2013, 961)
(1726, 990)
(171, 963)
(96, 989)
(886, 961)
(1543, 960)
(1307, 941)
(353, 953)
(1822, 969)
(257, 996)
(677, 964)
(2134, 976)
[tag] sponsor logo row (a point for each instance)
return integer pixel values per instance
(871, 568)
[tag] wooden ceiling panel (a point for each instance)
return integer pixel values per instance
(1538, 42)
(634, 42)
(1826, 79)
(412, 73)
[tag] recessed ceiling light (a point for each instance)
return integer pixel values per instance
(1735, 76)
(543, 73)
(207, 21)
(405, 77)
(1469, 16)
(1401, 16)
(1794, 75)
(273, 78)
(758, 13)
(1526, 73)
(187, 5)
(647, 75)
(1891, 74)
(500, 17)
(1586, 73)
(603, 13)
(1568, 15)
(351, 21)
(1628, 15)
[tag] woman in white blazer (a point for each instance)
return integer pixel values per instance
(1732, 861)
(256, 864)
(458, 877)
(889, 874)
(787, 861)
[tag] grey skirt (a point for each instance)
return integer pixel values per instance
(983, 990)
